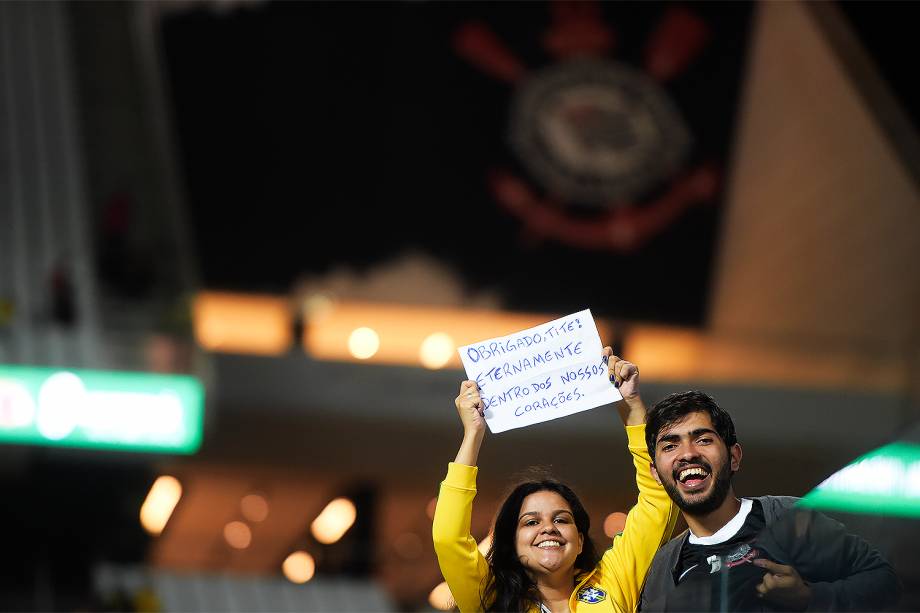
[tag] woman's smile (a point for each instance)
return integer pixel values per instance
(547, 538)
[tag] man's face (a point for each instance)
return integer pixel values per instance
(694, 465)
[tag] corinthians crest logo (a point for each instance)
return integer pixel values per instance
(604, 148)
(598, 132)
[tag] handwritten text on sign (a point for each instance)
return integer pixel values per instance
(548, 371)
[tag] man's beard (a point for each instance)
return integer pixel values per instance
(704, 506)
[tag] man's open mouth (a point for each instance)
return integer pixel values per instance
(692, 477)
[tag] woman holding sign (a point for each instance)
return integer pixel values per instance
(542, 558)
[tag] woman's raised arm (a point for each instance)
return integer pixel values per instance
(650, 522)
(625, 375)
(464, 568)
(470, 408)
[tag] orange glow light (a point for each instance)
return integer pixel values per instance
(299, 567)
(254, 507)
(665, 353)
(163, 497)
(436, 350)
(238, 535)
(614, 524)
(363, 343)
(334, 521)
(239, 323)
(404, 330)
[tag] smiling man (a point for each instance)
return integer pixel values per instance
(746, 554)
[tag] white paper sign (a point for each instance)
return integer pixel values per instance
(542, 373)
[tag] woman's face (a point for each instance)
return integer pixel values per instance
(547, 539)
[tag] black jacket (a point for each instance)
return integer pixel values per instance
(844, 572)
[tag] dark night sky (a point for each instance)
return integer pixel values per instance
(314, 134)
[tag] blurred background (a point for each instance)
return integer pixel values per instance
(240, 242)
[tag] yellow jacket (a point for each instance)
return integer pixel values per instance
(613, 585)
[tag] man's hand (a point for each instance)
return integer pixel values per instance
(783, 586)
(625, 375)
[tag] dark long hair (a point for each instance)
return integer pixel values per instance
(510, 588)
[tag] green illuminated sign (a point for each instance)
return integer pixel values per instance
(100, 409)
(883, 482)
